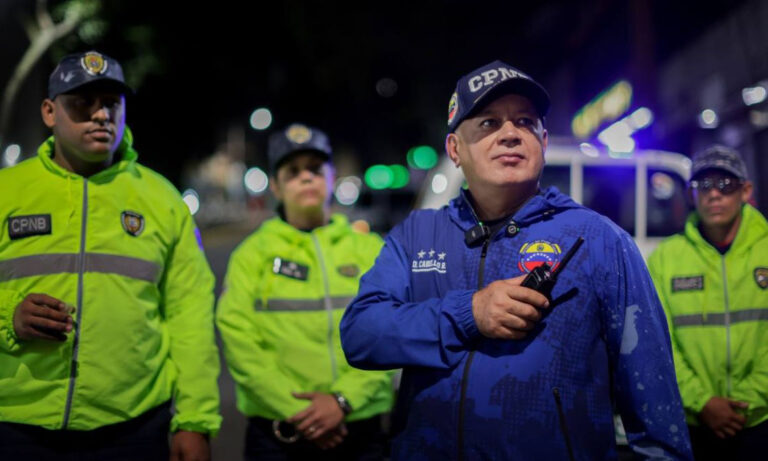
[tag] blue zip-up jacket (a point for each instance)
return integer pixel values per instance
(603, 343)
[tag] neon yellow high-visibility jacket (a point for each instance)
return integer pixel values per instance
(284, 295)
(717, 312)
(121, 247)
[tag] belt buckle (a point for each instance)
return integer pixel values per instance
(279, 435)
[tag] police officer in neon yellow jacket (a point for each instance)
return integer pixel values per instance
(713, 282)
(106, 300)
(285, 292)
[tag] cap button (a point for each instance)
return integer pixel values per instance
(512, 229)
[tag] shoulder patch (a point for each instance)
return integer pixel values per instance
(429, 261)
(29, 225)
(761, 277)
(692, 283)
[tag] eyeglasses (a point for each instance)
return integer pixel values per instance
(725, 186)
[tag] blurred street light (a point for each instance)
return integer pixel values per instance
(347, 190)
(641, 118)
(708, 119)
(400, 176)
(11, 155)
(192, 200)
(439, 183)
(422, 157)
(589, 150)
(261, 119)
(386, 87)
(256, 181)
(379, 177)
(754, 95)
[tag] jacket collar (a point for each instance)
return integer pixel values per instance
(547, 202)
(125, 152)
(753, 227)
(336, 227)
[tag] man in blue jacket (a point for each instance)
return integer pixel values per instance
(495, 370)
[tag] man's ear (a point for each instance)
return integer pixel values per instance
(48, 112)
(746, 192)
(452, 148)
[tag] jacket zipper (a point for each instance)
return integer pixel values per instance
(328, 307)
(468, 364)
(76, 339)
(727, 332)
(563, 425)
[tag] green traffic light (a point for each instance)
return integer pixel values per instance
(409, 157)
(400, 176)
(422, 157)
(379, 177)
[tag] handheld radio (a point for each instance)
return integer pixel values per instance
(543, 278)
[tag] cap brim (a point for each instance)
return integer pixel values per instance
(105, 84)
(524, 87)
(285, 157)
(715, 167)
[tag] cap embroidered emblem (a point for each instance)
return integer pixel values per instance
(298, 134)
(93, 63)
(453, 107)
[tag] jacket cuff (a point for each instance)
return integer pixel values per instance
(204, 424)
(698, 403)
(9, 299)
(464, 316)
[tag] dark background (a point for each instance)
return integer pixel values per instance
(199, 69)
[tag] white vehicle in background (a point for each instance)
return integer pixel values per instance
(644, 192)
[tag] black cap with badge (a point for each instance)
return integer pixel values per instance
(483, 85)
(77, 70)
(294, 139)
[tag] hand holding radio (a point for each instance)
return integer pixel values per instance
(506, 310)
(543, 278)
(510, 308)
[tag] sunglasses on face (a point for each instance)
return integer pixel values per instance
(723, 185)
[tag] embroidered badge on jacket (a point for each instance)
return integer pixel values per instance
(534, 254)
(761, 277)
(133, 222)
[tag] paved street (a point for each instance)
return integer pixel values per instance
(228, 446)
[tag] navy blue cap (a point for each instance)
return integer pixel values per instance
(485, 84)
(721, 158)
(293, 139)
(76, 70)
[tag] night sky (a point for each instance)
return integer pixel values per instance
(208, 67)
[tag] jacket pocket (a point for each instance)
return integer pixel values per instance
(563, 423)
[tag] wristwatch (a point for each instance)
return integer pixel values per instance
(346, 408)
